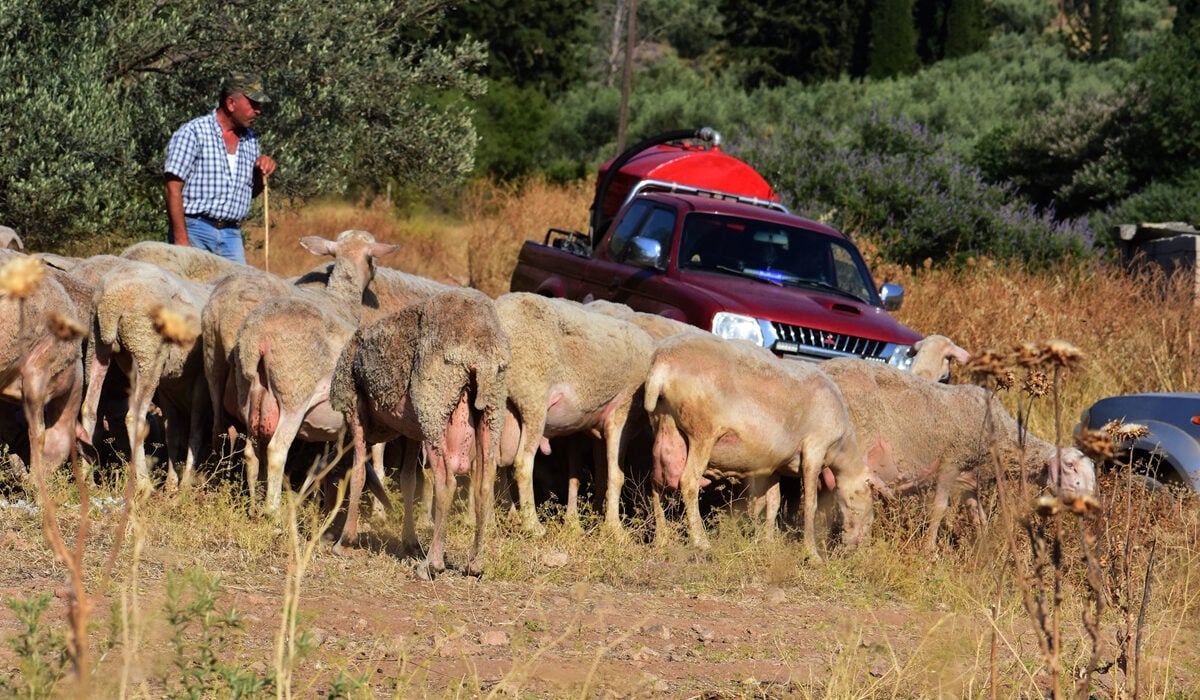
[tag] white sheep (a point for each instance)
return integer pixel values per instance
(233, 297)
(188, 262)
(918, 434)
(572, 371)
(724, 408)
(659, 327)
(40, 365)
(285, 353)
(147, 321)
(433, 372)
(932, 355)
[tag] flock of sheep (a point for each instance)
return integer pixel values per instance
(359, 354)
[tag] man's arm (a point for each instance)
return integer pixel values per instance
(174, 195)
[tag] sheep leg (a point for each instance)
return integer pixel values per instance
(941, 501)
(614, 442)
(689, 489)
(766, 504)
(812, 461)
(409, 473)
(357, 476)
(101, 357)
(215, 379)
(176, 441)
(145, 382)
(575, 470)
(33, 390)
(253, 457)
(443, 496)
(277, 453)
(483, 487)
(531, 436)
(379, 503)
(195, 444)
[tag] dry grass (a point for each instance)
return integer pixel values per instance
(884, 621)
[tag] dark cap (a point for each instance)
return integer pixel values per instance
(247, 84)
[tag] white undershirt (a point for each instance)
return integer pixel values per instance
(232, 157)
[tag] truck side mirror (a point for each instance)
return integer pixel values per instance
(645, 252)
(892, 296)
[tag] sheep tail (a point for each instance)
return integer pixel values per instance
(654, 384)
(108, 321)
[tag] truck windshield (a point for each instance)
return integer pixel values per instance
(774, 253)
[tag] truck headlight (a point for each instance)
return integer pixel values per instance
(901, 357)
(733, 326)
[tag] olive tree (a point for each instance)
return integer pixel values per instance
(91, 90)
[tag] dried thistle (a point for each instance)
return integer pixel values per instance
(1061, 353)
(1026, 355)
(986, 366)
(1082, 505)
(1046, 506)
(21, 276)
(1036, 384)
(1097, 444)
(1006, 380)
(64, 327)
(173, 326)
(1129, 432)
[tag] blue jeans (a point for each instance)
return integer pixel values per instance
(226, 242)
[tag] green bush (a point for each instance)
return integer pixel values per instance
(1177, 200)
(359, 98)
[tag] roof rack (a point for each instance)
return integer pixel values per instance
(675, 187)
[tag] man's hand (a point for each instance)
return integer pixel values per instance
(265, 165)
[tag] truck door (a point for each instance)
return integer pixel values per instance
(610, 277)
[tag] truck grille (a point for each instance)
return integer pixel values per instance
(798, 340)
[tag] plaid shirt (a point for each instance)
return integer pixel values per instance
(196, 155)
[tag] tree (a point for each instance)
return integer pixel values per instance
(893, 40)
(966, 30)
(774, 40)
(360, 97)
(1094, 29)
(540, 44)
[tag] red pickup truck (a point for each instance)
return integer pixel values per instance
(681, 229)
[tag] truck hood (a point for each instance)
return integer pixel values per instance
(799, 306)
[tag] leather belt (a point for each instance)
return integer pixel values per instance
(217, 223)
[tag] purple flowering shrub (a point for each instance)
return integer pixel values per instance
(892, 180)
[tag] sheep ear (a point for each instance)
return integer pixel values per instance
(959, 354)
(378, 250)
(318, 246)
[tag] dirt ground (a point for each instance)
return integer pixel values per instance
(547, 621)
(551, 635)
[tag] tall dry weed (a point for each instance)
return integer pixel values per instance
(499, 219)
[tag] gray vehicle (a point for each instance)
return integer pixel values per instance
(1170, 453)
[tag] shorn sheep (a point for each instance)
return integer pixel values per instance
(726, 408)
(433, 372)
(40, 365)
(572, 371)
(285, 353)
(147, 321)
(932, 355)
(188, 262)
(919, 434)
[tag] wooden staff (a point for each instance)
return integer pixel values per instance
(266, 225)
